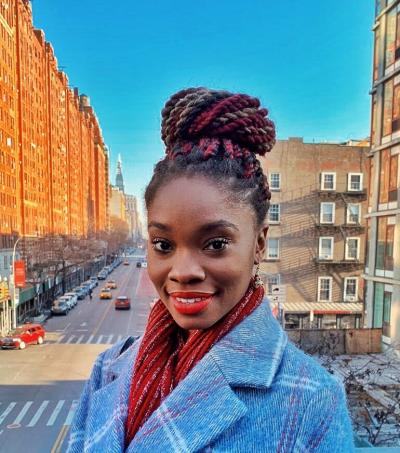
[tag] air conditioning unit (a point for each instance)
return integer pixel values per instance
(351, 298)
(325, 257)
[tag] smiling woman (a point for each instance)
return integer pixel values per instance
(213, 371)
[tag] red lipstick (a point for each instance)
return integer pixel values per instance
(190, 306)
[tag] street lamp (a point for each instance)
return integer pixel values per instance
(14, 305)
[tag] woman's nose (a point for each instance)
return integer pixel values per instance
(186, 269)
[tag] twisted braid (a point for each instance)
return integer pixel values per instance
(217, 134)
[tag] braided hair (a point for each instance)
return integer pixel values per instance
(216, 134)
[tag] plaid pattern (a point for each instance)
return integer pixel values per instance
(253, 392)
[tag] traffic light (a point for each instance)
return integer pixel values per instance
(4, 291)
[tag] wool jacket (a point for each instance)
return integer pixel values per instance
(254, 391)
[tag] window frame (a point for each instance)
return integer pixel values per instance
(332, 241)
(348, 213)
(274, 222)
(275, 189)
(275, 258)
(345, 295)
(347, 257)
(330, 279)
(349, 175)
(321, 212)
(323, 180)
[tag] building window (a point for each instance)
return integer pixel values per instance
(353, 213)
(393, 169)
(275, 181)
(274, 214)
(326, 248)
(273, 249)
(387, 107)
(272, 280)
(324, 289)
(328, 181)
(381, 308)
(327, 213)
(384, 248)
(390, 38)
(350, 289)
(352, 248)
(354, 183)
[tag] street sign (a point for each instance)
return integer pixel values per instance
(19, 274)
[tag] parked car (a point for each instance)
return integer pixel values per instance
(60, 307)
(23, 335)
(144, 264)
(122, 303)
(80, 292)
(106, 293)
(138, 264)
(73, 296)
(94, 281)
(111, 284)
(102, 275)
(126, 263)
(69, 300)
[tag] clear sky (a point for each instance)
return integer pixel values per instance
(309, 61)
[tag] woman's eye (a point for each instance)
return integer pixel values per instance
(217, 244)
(161, 246)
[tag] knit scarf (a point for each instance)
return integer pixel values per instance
(167, 354)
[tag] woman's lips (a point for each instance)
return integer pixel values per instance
(191, 303)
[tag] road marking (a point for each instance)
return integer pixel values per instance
(90, 339)
(83, 324)
(66, 327)
(79, 339)
(10, 407)
(100, 339)
(70, 339)
(55, 413)
(109, 341)
(38, 414)
(21, 415)
(71, 412)
(119, 338)
(60, 439)
(61, 338)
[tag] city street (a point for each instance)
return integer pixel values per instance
(40, 386)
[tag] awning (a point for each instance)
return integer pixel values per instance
(319, 308)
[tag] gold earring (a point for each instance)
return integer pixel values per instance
(257, 279)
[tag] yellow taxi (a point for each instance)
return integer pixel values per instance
(111, 284)
(105, 293)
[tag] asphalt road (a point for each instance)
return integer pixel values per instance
(40, 386)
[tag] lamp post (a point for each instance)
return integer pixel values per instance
(14, 305)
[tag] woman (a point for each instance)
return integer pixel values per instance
(213, 371)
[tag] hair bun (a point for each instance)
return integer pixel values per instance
(197, 113)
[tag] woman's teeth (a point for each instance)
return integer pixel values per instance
(190, 301)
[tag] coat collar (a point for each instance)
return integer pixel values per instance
(191, 416)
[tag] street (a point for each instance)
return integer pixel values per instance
(40, 386)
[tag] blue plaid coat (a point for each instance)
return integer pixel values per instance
(253, 392)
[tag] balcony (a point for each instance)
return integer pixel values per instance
(348, 227)
(359, 195)
(352, 264)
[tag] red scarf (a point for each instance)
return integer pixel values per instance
(166, 357)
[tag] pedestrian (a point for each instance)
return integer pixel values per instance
(90, 293)
(214, 371)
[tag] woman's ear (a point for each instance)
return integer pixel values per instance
(261, 244)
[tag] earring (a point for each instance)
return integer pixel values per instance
(257, 279)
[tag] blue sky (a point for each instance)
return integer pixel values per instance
(309, 61)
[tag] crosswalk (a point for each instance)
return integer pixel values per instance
(29, 414)
(79, 338)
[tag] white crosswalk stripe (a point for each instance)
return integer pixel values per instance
(71, 413)
(54, 415)
(79, 340)
(60, 338)
(119, 338)
(21, 415)
(38, 414)
(100, 339)
(70, 339)
(110, 337)
(90, 339)
(9, 408)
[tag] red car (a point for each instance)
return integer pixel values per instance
(122, 303)
(23, 335)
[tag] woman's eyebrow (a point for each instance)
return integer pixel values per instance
(217, 224)
(159, 225)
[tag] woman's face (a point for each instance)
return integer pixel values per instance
(201, 251)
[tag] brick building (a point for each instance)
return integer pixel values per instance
(53, 160)
(316, 237)
(382, 271)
